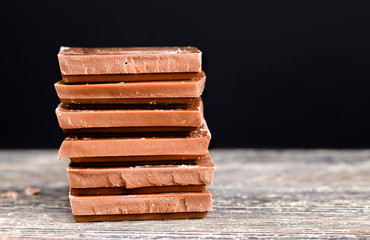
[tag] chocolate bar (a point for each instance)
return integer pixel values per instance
(136, 217)
(141, 203)
(136, 160)
(110, 78)
(130, 103)
(101, 93)
(138, 141)
(196, 145)
(126, 191)
(143, 176)
(131, 132)
(86, 61)
(117, 120)
(129, 160)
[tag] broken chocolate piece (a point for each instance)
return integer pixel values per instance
(32, 191)
(129, 90)
(109, 78)
(137, 217)
(131, 131)
(128, 103)
(121, 118)
(195, 144)
(85, 61)
(141, 203)
(135, 160)
(143, 176)
(10, 194)
(144, 190)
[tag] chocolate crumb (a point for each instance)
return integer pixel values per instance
(10, 194)
(32, 191)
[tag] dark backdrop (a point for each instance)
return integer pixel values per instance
(280, 73)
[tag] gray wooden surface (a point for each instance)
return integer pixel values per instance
(265, 194)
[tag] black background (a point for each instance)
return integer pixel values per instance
(279, 73)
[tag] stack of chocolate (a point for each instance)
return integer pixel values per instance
(138, 142)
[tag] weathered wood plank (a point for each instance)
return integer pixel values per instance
(266, 194)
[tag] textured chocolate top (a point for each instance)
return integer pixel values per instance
(85, 61)
(144, 77)
(143, 176)
(156, 89)
(196, 142)
(141, 203)
(126, 50)
(191, 116)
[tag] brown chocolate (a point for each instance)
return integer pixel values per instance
(10, 194)
(130, 77)
(195, 144)
(85, 61)
(143, 176)
(141, 203)
(137, 217)
(131, 131)
(144, 190)
(120, 118)
(129, 90)
(129, 103)
(32, 191)
(136, 160)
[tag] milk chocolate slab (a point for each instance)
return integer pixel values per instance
(196, 144)
(128, 103)
(134, 163)
(136, 160)
(129, 90)
(143, 176)
(141, 203)
(144, 190)
(137, 217)
(121, 118)
(130, 131)
(110, 78)
(136, 60)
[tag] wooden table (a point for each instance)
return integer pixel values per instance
(268, 194)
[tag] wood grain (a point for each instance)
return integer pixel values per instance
(257, 194)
